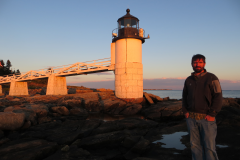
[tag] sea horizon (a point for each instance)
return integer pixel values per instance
(181, 90)
(177, 94)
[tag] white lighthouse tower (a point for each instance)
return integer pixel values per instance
(126, 54)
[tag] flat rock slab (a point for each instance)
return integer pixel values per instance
(27, 149)
(161, 110)
(62, 132)
(70, 102)
(112, 139)
(11, 121)
(43, 99)
(128, 123)
(229, 137)
(73, 153)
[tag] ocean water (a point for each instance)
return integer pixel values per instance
(177, 94)
(173, 140)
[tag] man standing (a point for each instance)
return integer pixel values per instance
(202, 100)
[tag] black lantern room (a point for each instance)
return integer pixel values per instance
(128, 27)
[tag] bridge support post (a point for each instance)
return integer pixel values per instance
(18, 88)
(56, 85)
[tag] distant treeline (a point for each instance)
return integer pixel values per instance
(5, 69)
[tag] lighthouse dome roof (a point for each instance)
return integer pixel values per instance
(128, 16)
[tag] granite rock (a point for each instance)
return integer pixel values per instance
(11, 121)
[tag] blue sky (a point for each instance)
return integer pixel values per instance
(43, 33)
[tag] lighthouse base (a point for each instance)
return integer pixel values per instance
(129, 80)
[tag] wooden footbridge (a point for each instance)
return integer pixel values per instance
(56, 76)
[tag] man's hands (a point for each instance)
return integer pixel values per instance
(186, 115)
(209, 118)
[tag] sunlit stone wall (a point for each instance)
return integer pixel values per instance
(128, 68)
(56, 85)
(18, 88)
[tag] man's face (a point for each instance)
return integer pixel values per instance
(198, 65)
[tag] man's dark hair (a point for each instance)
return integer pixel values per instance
(198, 56)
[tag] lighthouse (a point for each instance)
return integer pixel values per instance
(126, 56)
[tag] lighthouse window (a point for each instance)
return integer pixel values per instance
(121, 24)
(125, 23)
(128, 23)
(134, 23)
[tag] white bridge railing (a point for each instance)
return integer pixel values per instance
(99, 65)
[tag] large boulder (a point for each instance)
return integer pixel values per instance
(124, 124)
(1, 134)
(70, 102)
(26, 149)
(78, 111)
(31, 111)
(73, 153)
(8, 102)
(64, 133)
(164, 110)
(233, 102)
(93, 105)
(11, 108)
(106, 95)
(135, 100)
(43, 99)
(40, 109)
(89, 95)
(113, 107)
(148, 98)
(72, 91)
(30, 115)
(137, 149)
(62, 110)
(44, 120)
(132, 109)
(2, 108)
(11, 121)
(172, 109)
(112, 139)
(130, 141)
(155, 98)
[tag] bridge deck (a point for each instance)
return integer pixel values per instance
(100, 65)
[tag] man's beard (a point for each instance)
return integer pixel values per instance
(198, 69)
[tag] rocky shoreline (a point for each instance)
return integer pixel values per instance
(94, 124)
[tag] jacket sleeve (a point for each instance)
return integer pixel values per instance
(216, 94)
(184, 98)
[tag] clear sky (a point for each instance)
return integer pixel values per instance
(36, 34)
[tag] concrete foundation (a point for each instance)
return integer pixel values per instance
(18, 88)
(56, 85)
